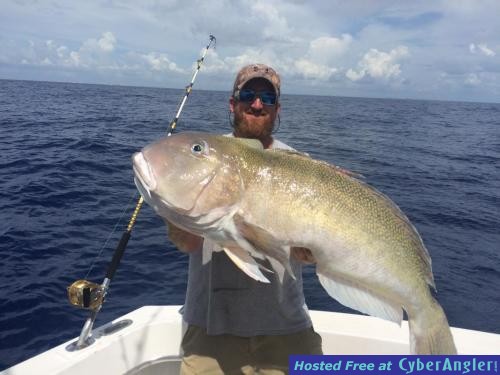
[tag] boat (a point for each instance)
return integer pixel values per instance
(146, 341)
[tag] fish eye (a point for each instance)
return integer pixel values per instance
(198, 148)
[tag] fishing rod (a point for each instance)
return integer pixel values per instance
(89, 295)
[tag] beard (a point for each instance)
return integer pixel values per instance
(259, 127)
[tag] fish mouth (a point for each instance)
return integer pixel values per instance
(144, 176)
(146, 183)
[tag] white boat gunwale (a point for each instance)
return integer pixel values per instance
(155, 332)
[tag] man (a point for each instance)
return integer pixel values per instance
(237, 325)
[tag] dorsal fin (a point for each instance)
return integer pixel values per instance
(307, 156)
(289, 152)
(250, 142)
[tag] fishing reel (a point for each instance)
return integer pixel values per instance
(86, 294)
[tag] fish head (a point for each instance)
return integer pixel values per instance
(188, 176)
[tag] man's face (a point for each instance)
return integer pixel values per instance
(254, 119)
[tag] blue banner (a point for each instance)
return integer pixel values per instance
(394, 364)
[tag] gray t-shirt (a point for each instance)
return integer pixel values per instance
(224, 300)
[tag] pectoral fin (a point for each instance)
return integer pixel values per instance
(263, 241)
(209, 247)
(278, 268)
(246, 263)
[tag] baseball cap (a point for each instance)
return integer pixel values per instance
(256, 71)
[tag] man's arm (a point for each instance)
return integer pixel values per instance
(185, 241)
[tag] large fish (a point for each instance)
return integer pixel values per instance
(258, 203)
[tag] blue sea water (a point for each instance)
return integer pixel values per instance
(66, 180)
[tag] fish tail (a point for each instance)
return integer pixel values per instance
(430, 332)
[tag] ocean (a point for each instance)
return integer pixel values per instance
(67, 192)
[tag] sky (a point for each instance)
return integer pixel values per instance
(426, 49)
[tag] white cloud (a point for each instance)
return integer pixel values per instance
(320, 60)
(312, 70)
(62, 51)
(93, 53)
(377, 64)
(317, 63)
(310, 43)
(213, 64)
(107, 42)
(92, 47)
(74, 59)
(96, 53)
(276, 26)
(160, 62)
(327, 48)
(482, 48)
(233, 63)
(355, 76)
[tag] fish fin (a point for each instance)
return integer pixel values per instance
(265, 243)
(279, 269)
(362, 300)
(250, 142)
(289, 152)
(430, 332)
(246, 263)
(347, 172)
(307, 156)
(209, 247)
(245, 245)
(206, 253)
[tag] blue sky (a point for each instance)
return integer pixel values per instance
(439, 49)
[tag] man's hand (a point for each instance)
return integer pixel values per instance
(185, 241)
(303, 255)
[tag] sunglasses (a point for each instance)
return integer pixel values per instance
(248, 96)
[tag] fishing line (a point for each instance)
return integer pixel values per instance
(134, 194)
(88, 295)
(172, 127)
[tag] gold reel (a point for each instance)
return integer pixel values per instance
(85, 294)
